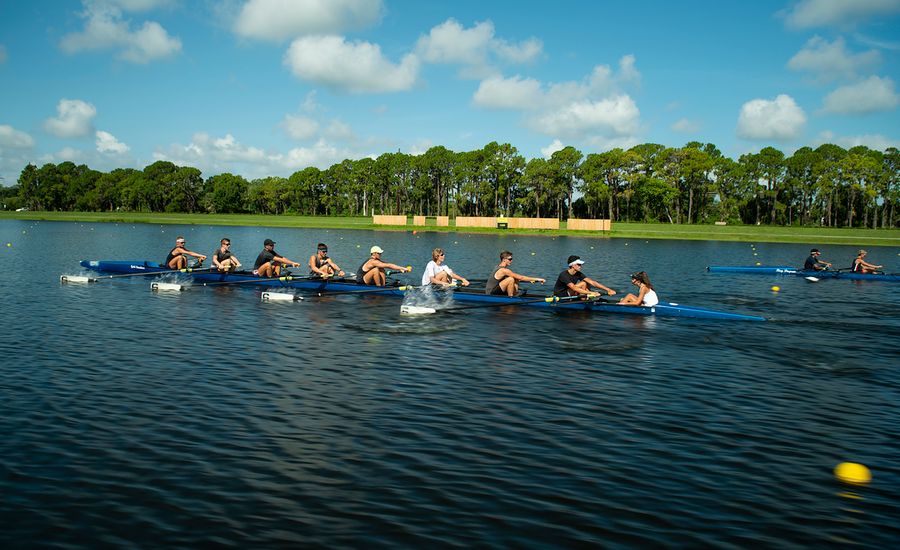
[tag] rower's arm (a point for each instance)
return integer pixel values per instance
(595, 284)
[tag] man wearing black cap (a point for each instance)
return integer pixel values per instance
(813, 263)
(323, 266)
(269, 262)
(572, 282)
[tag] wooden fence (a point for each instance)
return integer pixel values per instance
(419, 220)
(388, 220)
(473, 221)
(533, 223)
(443, 221)
(589, 225)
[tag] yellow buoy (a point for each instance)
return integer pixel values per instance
(776, 288)
(757, 263)
(851, 472)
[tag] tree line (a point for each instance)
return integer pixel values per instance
(826, 186)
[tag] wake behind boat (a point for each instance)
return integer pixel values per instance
(338, 285)
(822, 274)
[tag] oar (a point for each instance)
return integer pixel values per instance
(416, 310)
(85, 279)
(370, 290)
(281, 278)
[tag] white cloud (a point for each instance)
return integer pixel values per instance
(16, 139)
(73, 119)
(107, 143)
(869, 96)
(278, 20)
(618, 115)
(685, 126)
(830, 60)
(838, 13)
(299, 127)
(877, 142)
(553, 147)
(780, 119)
(473, 49)
(509, 93)
(339, 131)
(105, 28)
(357, 67)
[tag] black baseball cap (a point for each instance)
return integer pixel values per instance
(267, 242)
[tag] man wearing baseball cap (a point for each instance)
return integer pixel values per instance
(572, 282)
(813, 263)
(269, 262)
(372, 271)
(177, 258)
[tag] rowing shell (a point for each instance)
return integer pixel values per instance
(337, 286)
(787, 270)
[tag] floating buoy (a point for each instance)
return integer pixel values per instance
(776, 288)
(757, 263)
(415, 232)
(851, 472)
(8, 244)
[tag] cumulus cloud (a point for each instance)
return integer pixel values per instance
(877, 142)
(872, 95)
(106, 28)
(509, 93)
(474, 49)
(356, 67)
(837, 13)
(685, 126)
(617, 115)
(553, 147)
(299, 127)
(780, 119)
(73, 119)
(278, 20)
(830, 60)
(107, 143)
(15, 139)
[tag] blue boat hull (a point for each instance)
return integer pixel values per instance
(787, 270)
(663, 309)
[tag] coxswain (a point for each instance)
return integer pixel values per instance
(646, 296)
(177, 258)
(372, 271)
(505, 282)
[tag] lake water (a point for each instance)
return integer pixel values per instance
(209, 418)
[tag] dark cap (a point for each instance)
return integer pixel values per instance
(572, 259)
(814, 251)
(267, 242)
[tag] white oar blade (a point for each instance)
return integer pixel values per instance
(166, 287)
(416, 310)
(279, 297)
(812, 279)
(76, 279)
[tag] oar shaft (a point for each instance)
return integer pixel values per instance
(148, 273)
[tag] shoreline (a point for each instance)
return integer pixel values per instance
(620, 230)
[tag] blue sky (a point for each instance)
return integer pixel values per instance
(268, 87)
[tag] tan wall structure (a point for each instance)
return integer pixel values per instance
(475, 221)
(388, 220)
(418, 220)
(589, 225)
(443, 221)
(533, 223)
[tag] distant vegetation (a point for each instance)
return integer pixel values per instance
(824, 187)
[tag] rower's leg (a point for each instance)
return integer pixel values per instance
(443, 278)
(371, 278)
(509, 286)
(629, 299)
(380, 277)
(265, 270)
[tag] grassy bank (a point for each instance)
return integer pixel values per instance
(744, 233)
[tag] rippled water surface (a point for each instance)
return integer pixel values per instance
(210, 418)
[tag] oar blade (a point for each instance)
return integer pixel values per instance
(280, 297)
(166, 287)
(77, 279)
(417, 310)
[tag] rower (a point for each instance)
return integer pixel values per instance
(504, 281)
(223, 259)
(372, 271)
(813, 263)
(269, 262)
(572, 282)
(323, 266)
(438, 273)
(646, 296)
(177, 258)
(860, 265)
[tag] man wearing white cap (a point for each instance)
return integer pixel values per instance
(572, 282)
(177, 258)
(371, 272)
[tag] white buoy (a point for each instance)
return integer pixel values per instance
(279, 297)
(156, 287)
(76, 279)
(416, 310)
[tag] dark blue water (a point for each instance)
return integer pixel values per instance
(210, 418)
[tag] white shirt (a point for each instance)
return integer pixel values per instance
(650, 299)
(433, 269)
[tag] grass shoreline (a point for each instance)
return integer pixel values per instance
(624, 230)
